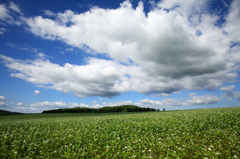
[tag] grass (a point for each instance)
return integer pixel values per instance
(206, 133)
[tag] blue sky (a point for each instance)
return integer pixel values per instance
(161, 54)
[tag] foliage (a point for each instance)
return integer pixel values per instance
(108, 109)
(206, 133)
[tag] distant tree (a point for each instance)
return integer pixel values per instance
(158, 110)
(163, 109)
(124, 110)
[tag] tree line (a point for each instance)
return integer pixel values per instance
(108, 109)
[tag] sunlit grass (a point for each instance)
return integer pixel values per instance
(208, 133)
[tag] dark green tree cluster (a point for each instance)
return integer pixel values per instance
(108, 109)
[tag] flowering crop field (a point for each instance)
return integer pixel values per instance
(205, 133)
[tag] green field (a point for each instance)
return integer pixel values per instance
(206, 133)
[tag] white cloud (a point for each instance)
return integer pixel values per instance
(233, 21)
(205, 99)
(4, 12)
(15, 8)
(72, 105)
(100, 77)
(26, 110)
(96, 106)
(49, 13)
(2, 102)
(22, 108)
(2, 98)
(2, 30)
(236, 95)
(118, 103)
(69, 49)
(228, 88)
(166, 103)
(235, 54)
(161, 51)
(100, 99)
(37, 92)
(169, 103)
(21, 104)
(229, 92)
(83, 105)
(60, 104)
(49, 104)
(162, 95)
(192, 94)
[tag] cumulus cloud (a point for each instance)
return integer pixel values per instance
(236, 95)
(60, 104)
(166, 103)
(21, 104)
(194, 100)
(192, 94)
(2, 98)
(26, 108)
(162, 95)
(205, 99)
(159, 52)
(37, 92)
(99, 78)
(233, 21)
(170, 103)
(230, 93)
(3, 104)
(118, 103)
(2, 101)
(228, 90)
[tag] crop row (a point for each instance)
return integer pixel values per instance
(209, 133)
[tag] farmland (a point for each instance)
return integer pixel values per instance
(205, 133)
